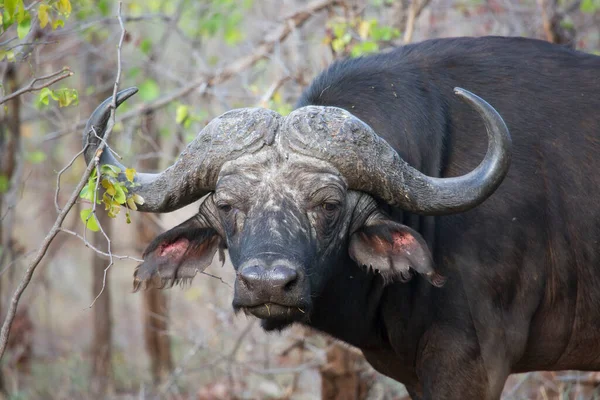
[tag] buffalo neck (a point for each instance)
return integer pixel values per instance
(354, 304)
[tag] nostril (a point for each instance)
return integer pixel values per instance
(252, 274)
(283, 277)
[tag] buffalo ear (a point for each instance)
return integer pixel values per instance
(393, 249)
(177, 256)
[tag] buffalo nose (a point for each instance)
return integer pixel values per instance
(257, 276)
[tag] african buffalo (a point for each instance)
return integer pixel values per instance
(368, 214)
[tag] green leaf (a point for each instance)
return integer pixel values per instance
(384, 33)
(58, 22)
(149, 90)
(11, 6)
(211, 25)
(181, 114)
(146, 46)
(8, 54)
(339, 30)
(364, 48)
(43, 15)
(45, 95)
(66, 97)
(87, 192)
(113, 210)
(590, 6)
(24, 26)
(119, 195)
(338, 45)
(104, 7)
(130, 174)
(89, 219)
(7, 19)
(4, 183)
(233, 36)
(21, 11)
(110, 170)
(36, 157)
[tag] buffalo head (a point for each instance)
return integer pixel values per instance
(293, 198)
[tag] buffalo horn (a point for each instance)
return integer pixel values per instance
(194, 174)
(370, 164)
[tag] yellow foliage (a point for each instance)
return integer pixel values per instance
(64, 7)
(43, 15)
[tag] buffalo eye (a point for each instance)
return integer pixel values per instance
(330, 207)
(224, 207)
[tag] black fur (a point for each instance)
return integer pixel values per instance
(523, 269)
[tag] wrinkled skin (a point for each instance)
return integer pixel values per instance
(522, 267)
(286, 221)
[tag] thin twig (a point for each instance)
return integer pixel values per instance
(264, 101)
(14, 261)
(41, 252)
(217, 278)
(58, 179)
(97, 250)
(58, 76)
(281, 370)
(32, 44)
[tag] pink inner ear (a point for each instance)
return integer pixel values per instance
(404, 241)
(176, 248)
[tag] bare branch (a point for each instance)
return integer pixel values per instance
(58, 179)
(41, 252)
(98, 174)
(97, 250)
(54, 77)
(261, 51)
(264, 101)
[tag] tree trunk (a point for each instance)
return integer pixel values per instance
(9, 147)
(101, 379)
(155, 314)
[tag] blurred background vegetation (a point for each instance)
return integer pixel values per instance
(192, 60)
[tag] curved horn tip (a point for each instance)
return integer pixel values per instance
(100, 115)
(99, 119)
(125, 94)
(466, 94)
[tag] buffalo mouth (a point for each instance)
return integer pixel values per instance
(274, 311)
